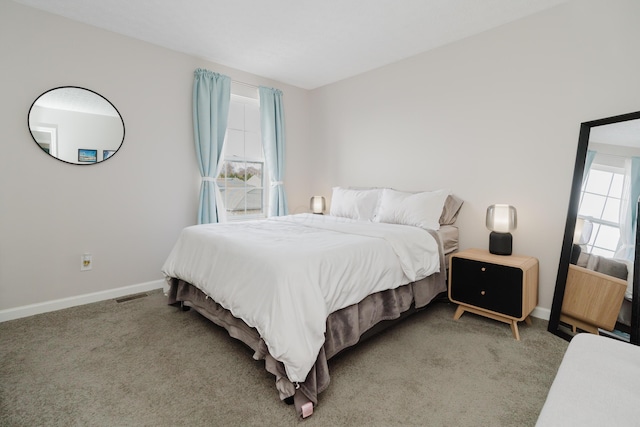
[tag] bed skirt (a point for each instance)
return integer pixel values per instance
(344, 329)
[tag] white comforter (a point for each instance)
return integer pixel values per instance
(284, 276)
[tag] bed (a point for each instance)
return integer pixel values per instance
(301, 288)
(596, 385)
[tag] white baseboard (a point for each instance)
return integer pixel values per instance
(541, 313)
(59, 304)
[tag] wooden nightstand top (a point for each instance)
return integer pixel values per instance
(521, 261)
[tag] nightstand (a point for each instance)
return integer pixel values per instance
(500, 287)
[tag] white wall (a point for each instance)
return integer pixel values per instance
(494, 117)
(126, 211)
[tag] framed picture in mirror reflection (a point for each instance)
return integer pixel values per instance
(87, 155)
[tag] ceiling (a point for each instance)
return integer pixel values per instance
(304, 43)
(626, 134)
(78, 100)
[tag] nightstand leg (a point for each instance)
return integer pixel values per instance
(458, 313)
(513, 323)
(514, 329)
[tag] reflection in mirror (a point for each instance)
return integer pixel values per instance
(595, 289)
(76, 125)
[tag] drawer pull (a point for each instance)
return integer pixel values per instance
(483, 269)
(482, 292)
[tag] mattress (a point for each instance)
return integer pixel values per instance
(448, 235)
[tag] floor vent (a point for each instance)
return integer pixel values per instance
(131, 297)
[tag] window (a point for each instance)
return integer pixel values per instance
(600, 204)
(242, 176)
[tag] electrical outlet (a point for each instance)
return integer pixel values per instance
(86, 262)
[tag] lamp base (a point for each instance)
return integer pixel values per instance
(575, 254)
(500, 243)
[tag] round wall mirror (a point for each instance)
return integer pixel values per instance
(76, 125)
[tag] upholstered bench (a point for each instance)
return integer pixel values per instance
(597, 384)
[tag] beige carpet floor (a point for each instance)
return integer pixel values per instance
(143, 363)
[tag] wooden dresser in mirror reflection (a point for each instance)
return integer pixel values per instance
(592, 300)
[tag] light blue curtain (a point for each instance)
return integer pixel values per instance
(211, 98)
(591, 154)
(629, 209)
(273, 140)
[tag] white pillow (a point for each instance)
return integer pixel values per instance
(418, 209)
(354, 204)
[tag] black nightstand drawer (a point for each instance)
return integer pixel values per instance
(490, 286)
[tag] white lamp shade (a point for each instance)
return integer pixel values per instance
(582, 232)
(501, 218)
(317, 204)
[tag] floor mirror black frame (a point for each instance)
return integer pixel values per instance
(565, 256)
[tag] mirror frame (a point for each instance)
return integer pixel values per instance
(88, 90)
(565, 256)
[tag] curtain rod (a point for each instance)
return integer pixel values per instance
(622, 156)
(244, 84)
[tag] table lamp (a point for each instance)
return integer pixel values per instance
(501, 220)
(581, 236)
(317, 205)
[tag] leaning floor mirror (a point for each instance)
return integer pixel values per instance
(598, 282)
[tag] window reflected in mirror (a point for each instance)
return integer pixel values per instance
(600, 205)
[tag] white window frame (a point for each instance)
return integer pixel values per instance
(598, 222)
(232, 215)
